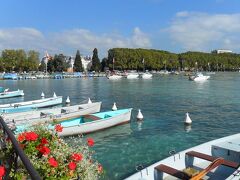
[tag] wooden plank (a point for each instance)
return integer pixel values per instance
(89, 116)
(171, 171)
(211, 158)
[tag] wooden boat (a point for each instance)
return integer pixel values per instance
(95, 122)
(53, 114)
(217, 159)
(9, 94)
(28, 105)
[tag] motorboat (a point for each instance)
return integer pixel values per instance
(9, 94)
(132, 75)
(199, 77)
(52, 114)
(146, 75)
(28, 105)
(218, 159)
(89, 123)
(114, 77)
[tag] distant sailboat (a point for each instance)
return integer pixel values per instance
(114, 76)
(145, 75)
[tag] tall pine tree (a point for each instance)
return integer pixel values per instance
(78, 67)
(96, 65)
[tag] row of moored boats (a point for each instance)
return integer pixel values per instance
(77, 119)
(131, 75)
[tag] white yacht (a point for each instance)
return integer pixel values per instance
(147, 75)
(132, 75)
(199, 77)
(218, 159)
(114, 77)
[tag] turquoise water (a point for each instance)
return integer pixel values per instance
(213, 106)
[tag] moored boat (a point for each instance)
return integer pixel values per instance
(114, 77)
(28, 105)
(199, 77)
(146, 75)
(95, 122)
(132, 75)
(217, 159)
(52, 114)
(9, 94)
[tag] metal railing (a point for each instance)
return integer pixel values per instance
(19, 152)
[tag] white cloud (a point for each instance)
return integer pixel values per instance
(201, 31)
(69, 40)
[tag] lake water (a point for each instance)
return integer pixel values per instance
(213, 106)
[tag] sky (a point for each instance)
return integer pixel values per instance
(65, 26)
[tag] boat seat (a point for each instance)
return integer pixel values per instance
(211, 158)
(172, 171)
(65, 111)
(89, 116)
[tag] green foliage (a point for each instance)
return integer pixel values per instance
(57, 64)
(19, 60)
(103, 64)
(96, 65)
(132, 59)
(78, 67)
(156, 60)
(52, 157)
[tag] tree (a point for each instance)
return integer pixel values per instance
(96, 66)
(103, 64)
(78, 67)
(59, 63)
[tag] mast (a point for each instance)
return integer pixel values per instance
(143, 65)
(113, 63)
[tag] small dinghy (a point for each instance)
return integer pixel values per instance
(28, 105)
(10, 94)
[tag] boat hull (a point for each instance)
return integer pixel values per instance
(114, 77)
(28, 105)
(147, 76)
(132, 76)
(97, 125)
(54, 114)
(10, 94)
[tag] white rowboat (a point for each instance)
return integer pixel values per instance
(28, 105)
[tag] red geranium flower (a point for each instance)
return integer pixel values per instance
(44, 141)
(31, 136)
(53, 162)
(100, 168)
(72, 165)
(44, 150)
(90, 141)
(2, 171)
(21, 137)
(77, 157)
(58, 128)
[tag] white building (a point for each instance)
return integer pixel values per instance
(86, 62)
(219, 51)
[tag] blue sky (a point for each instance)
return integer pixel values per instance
(63, 26)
